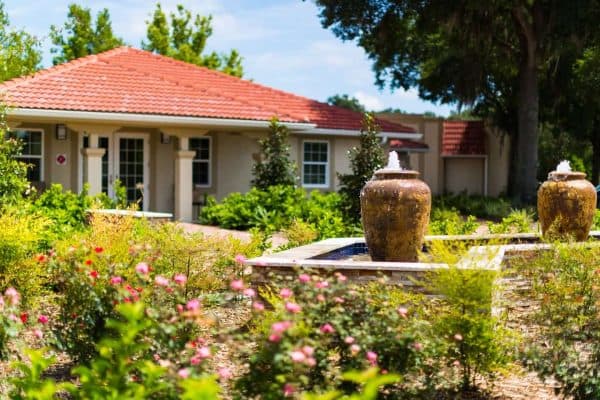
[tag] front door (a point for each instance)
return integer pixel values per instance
(129, 163)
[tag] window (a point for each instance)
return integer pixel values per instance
(103, 144)
(32, 153)
(315, 164)
(201, 162)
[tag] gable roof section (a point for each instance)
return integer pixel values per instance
(463, 138)
(128, 80)
(408, 145)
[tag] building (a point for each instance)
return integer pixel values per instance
(172, 132)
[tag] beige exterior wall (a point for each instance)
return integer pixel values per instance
(233, 162)
(464, 175)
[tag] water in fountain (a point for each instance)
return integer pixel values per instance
(563, 166)
(393, 162)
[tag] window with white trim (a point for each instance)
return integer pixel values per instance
(32, 152)
(201, 161)
(315, 164)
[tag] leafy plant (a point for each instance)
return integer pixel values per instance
(13, 173)
(364, 161)
(518, 221)
(274, 166)
(449, 222)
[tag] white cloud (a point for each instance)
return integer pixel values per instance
(369, 101)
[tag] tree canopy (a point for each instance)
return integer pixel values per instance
(185, 40)
(79, 38)
(492, 55)
(19, 52)
(345, 101)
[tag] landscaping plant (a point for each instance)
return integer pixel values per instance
(274, 166)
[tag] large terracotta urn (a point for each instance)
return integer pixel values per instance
(566, 205)
(395, 207)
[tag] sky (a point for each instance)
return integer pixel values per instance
(282, 43)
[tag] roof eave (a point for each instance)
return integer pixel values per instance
(146, 119)
(348, 132)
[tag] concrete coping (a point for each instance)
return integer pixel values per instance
(131, 213)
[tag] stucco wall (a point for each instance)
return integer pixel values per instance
(464, 174)
(233, 163)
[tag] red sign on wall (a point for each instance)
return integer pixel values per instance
(61, 159)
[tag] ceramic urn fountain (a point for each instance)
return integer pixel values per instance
(395, 207)
(566, 204)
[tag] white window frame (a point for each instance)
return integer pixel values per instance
(41, 156)
(207, 161)
(327, 165)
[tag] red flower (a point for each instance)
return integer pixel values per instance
(23, 317)
(88, 262)
(94, 274)
(42, 258)
(98, 249)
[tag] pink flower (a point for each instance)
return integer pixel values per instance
(293, 307)
(12, 295)
(183, 373)
(417, 346)
(288, 390)
(320, 298)
(348, 340)
(372, 358)
(161, 280)
(338, 300)
(458, 337)
(195, 360)
(180, 279)
(280, 327)
(286, 293)
(456, 363)
(193, 304)
(258, 306)
(43, 319)
(274, 338)
(237, 285)
(224, 373)
(249, 292)
(402, 311)
(327, 328)
(38, 333)
(309, 351)
(341, 277)
(115, 280)
(297, 356)
(304, 278)
(354, 349)
(321, 284)
(240, 259)
(310, 361)
(142, 268)
(204, 352)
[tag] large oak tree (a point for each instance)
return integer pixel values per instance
(490, 54)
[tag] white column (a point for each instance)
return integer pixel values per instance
(183, 185)
(92, 168)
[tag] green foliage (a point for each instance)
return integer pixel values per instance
(478, 206)
(479, 343)
(300, 233)
(364, 161)
(557, 145)
(276, 208)
(13, 173)
(10, 325)
(78, 38)
(566, 284)
(21, 238)
(19, 51)
(345, 101)
(372, 383)
(32, 385)
(449, 222)
(274, 166)
(518, 221)
(596, 222)
(186, 40)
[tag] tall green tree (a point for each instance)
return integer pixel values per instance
(185, 40)
(274, 166)
(345, 101)
(365, 159)
(491, 54)
(19, 51)
(78, 37)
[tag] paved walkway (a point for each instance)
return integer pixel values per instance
(276, 240)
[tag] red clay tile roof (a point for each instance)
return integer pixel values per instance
(407, 145)
(128, 80)
(463, 138)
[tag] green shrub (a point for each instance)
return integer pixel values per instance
(518, 221)
(566, 284)
(299, 233)
(479, 206)
(276, 208)
(274, 166)
(13, 173)
(449, 222)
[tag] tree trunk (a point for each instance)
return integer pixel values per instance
(527, 141)
(595, 155)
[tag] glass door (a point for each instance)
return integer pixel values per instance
(130, 166)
